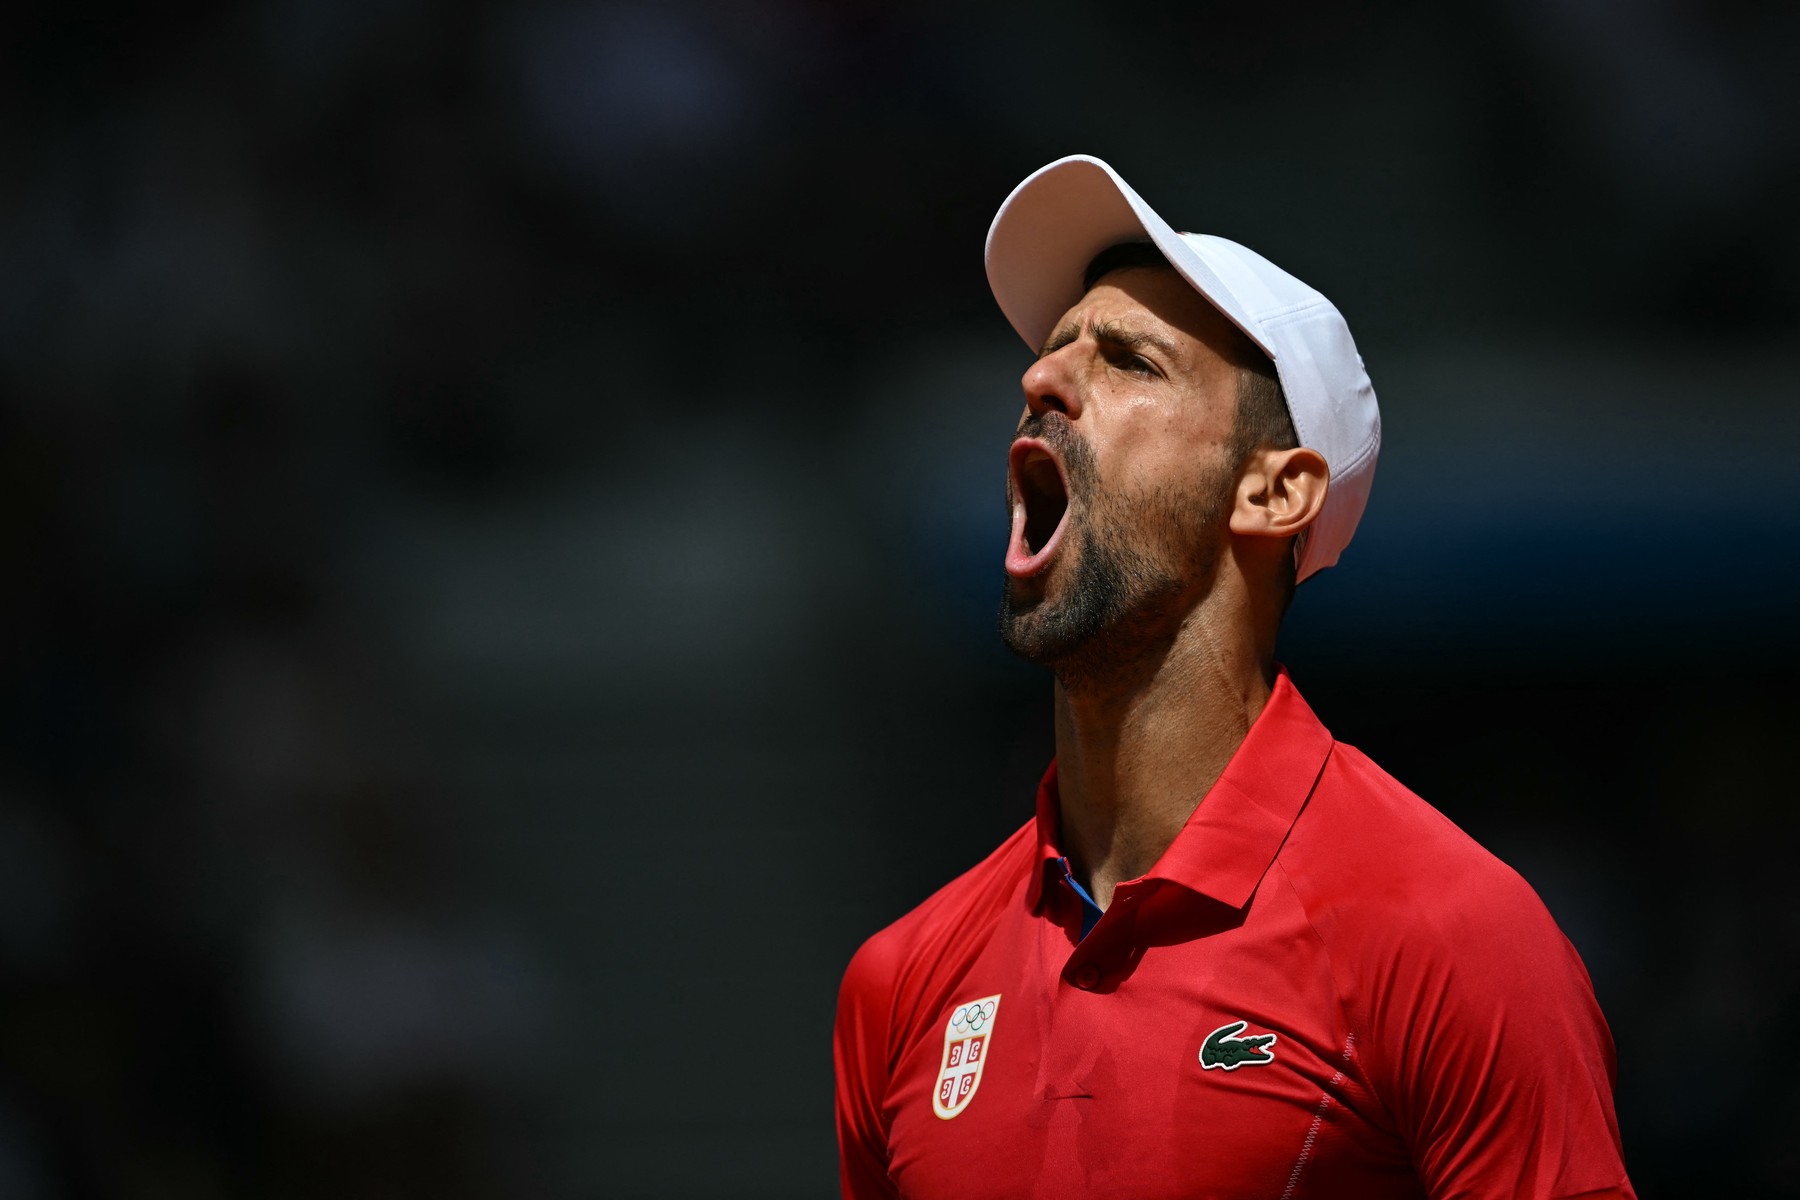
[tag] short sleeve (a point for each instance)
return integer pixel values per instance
(860, 1056)
(1494, 1055)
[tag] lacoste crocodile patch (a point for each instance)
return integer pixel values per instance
(1225, 1050)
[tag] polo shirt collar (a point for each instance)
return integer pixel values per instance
(1049, 858)
(1228, 843)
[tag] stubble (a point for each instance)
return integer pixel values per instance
(1138, 556)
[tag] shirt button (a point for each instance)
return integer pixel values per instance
(1087, 977)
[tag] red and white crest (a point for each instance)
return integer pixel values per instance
(966, 1040)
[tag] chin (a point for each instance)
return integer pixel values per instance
(1100, 605)
(1044, 623)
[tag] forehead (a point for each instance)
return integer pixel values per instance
(1158, 301)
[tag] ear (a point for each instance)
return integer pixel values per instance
(1280, 493)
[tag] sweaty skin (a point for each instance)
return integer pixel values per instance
(1150, 708)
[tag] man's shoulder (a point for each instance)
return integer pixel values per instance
(948, 926)
(1369, 850)
(1473, 1017)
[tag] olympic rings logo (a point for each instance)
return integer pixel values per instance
(973, 1015)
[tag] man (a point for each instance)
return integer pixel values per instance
(1230, 957)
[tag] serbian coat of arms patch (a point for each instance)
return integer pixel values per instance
(965, 1054)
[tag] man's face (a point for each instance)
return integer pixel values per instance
(1119, 482)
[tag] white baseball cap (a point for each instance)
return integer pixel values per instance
(1064, 214)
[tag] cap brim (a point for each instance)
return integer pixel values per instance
(1052, 226)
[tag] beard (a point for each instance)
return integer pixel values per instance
(1137, 557)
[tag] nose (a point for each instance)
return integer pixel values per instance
(1050, 386)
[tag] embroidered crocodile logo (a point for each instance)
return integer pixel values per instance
(1225, 1050)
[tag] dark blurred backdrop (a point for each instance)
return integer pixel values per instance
(501, 521)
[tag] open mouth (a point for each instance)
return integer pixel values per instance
(1040, 507)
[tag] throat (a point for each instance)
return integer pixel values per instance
(1131, 771)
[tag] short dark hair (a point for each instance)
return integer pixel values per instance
(1122, 257)
(1262, 421)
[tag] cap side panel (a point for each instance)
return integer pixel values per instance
(1260, 292)
(1333, 407)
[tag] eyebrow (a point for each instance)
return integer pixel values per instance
(1112, 333)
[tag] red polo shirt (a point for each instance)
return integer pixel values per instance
(1322, 989)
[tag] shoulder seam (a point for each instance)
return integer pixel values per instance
(1350, 1025)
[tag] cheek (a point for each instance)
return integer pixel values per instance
(1156, 466)
(1161, 443)
(1161, 433)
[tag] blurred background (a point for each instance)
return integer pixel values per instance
(501, 521)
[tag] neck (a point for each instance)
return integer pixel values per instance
(1137, 749)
